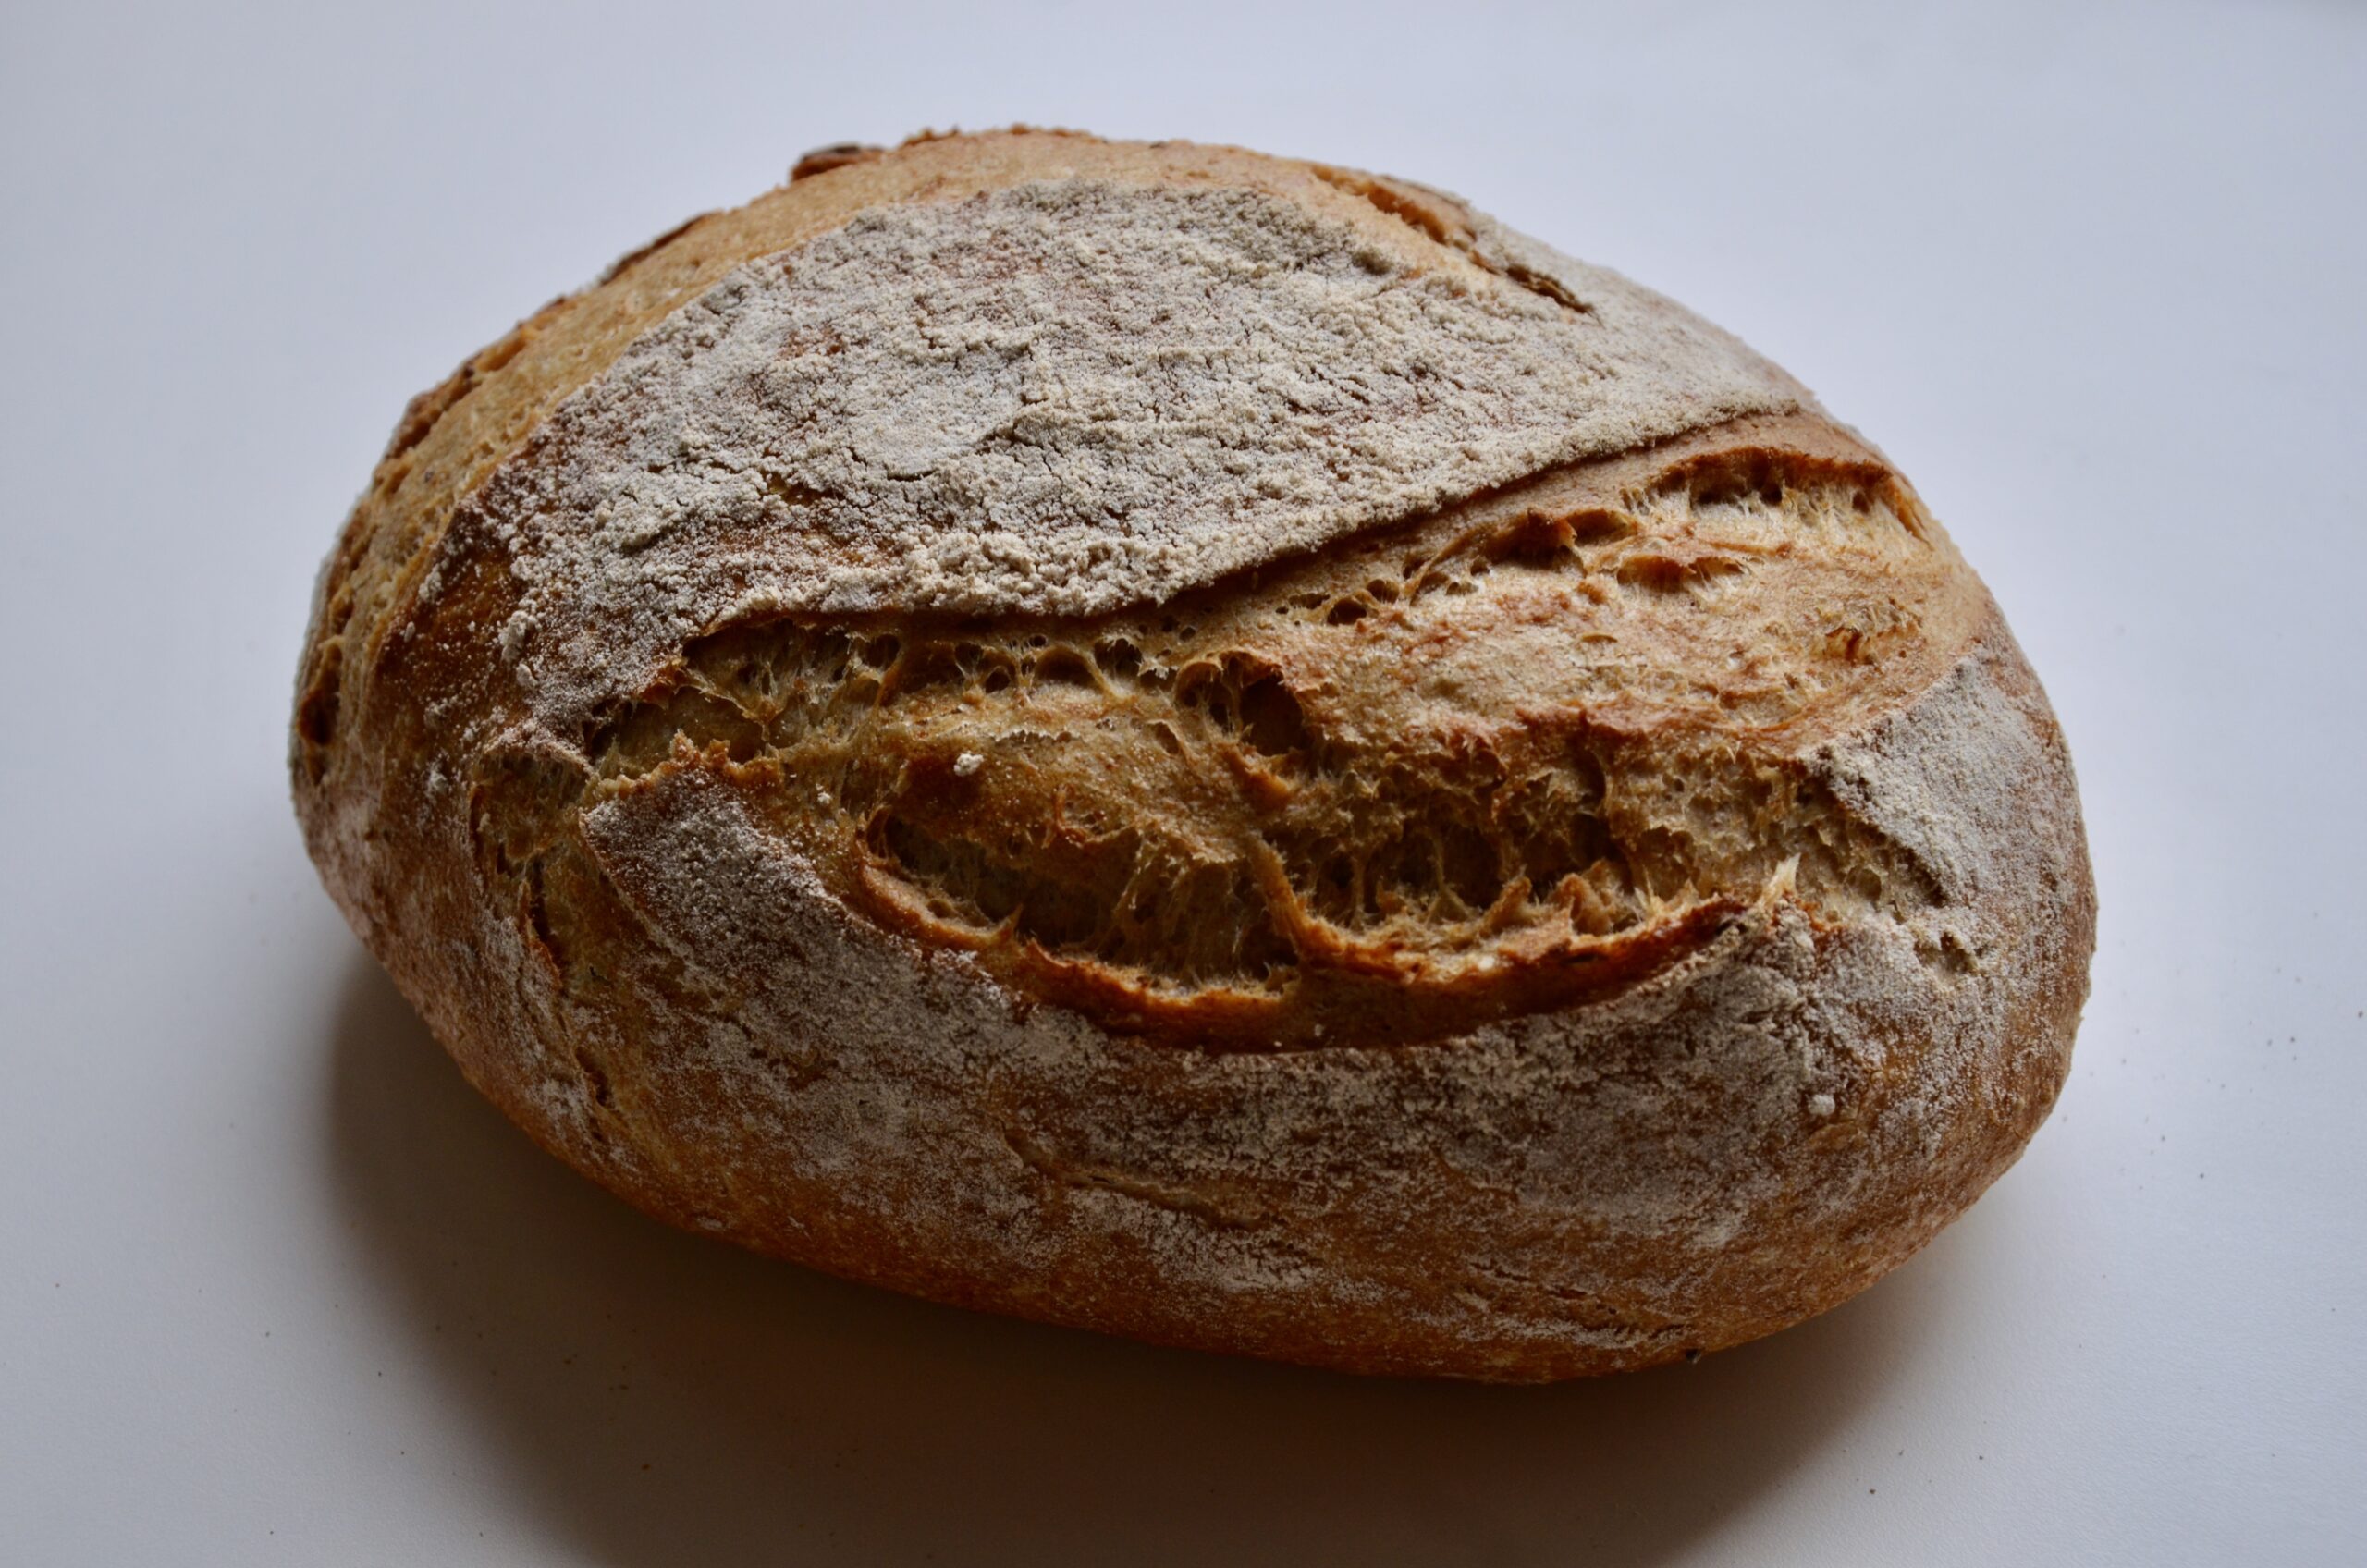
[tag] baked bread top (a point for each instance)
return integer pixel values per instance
(1239, 598)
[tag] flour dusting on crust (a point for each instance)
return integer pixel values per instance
(1062, 397)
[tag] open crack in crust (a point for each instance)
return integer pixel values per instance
(1608, 909)
(1496, 761)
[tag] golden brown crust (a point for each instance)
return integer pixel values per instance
(1551, 924)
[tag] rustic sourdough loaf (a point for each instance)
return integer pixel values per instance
(1205, 746)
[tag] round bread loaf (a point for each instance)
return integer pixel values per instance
(1204, 746)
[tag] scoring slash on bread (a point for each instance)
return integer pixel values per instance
(1204, 746)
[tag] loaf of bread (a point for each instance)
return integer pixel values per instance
(1209, 747)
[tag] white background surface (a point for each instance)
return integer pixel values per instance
(275, 1287)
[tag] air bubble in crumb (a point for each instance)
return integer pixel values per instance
(967, 763)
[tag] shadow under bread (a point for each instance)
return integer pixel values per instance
(645, 1396)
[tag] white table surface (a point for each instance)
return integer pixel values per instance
(275, 1286)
